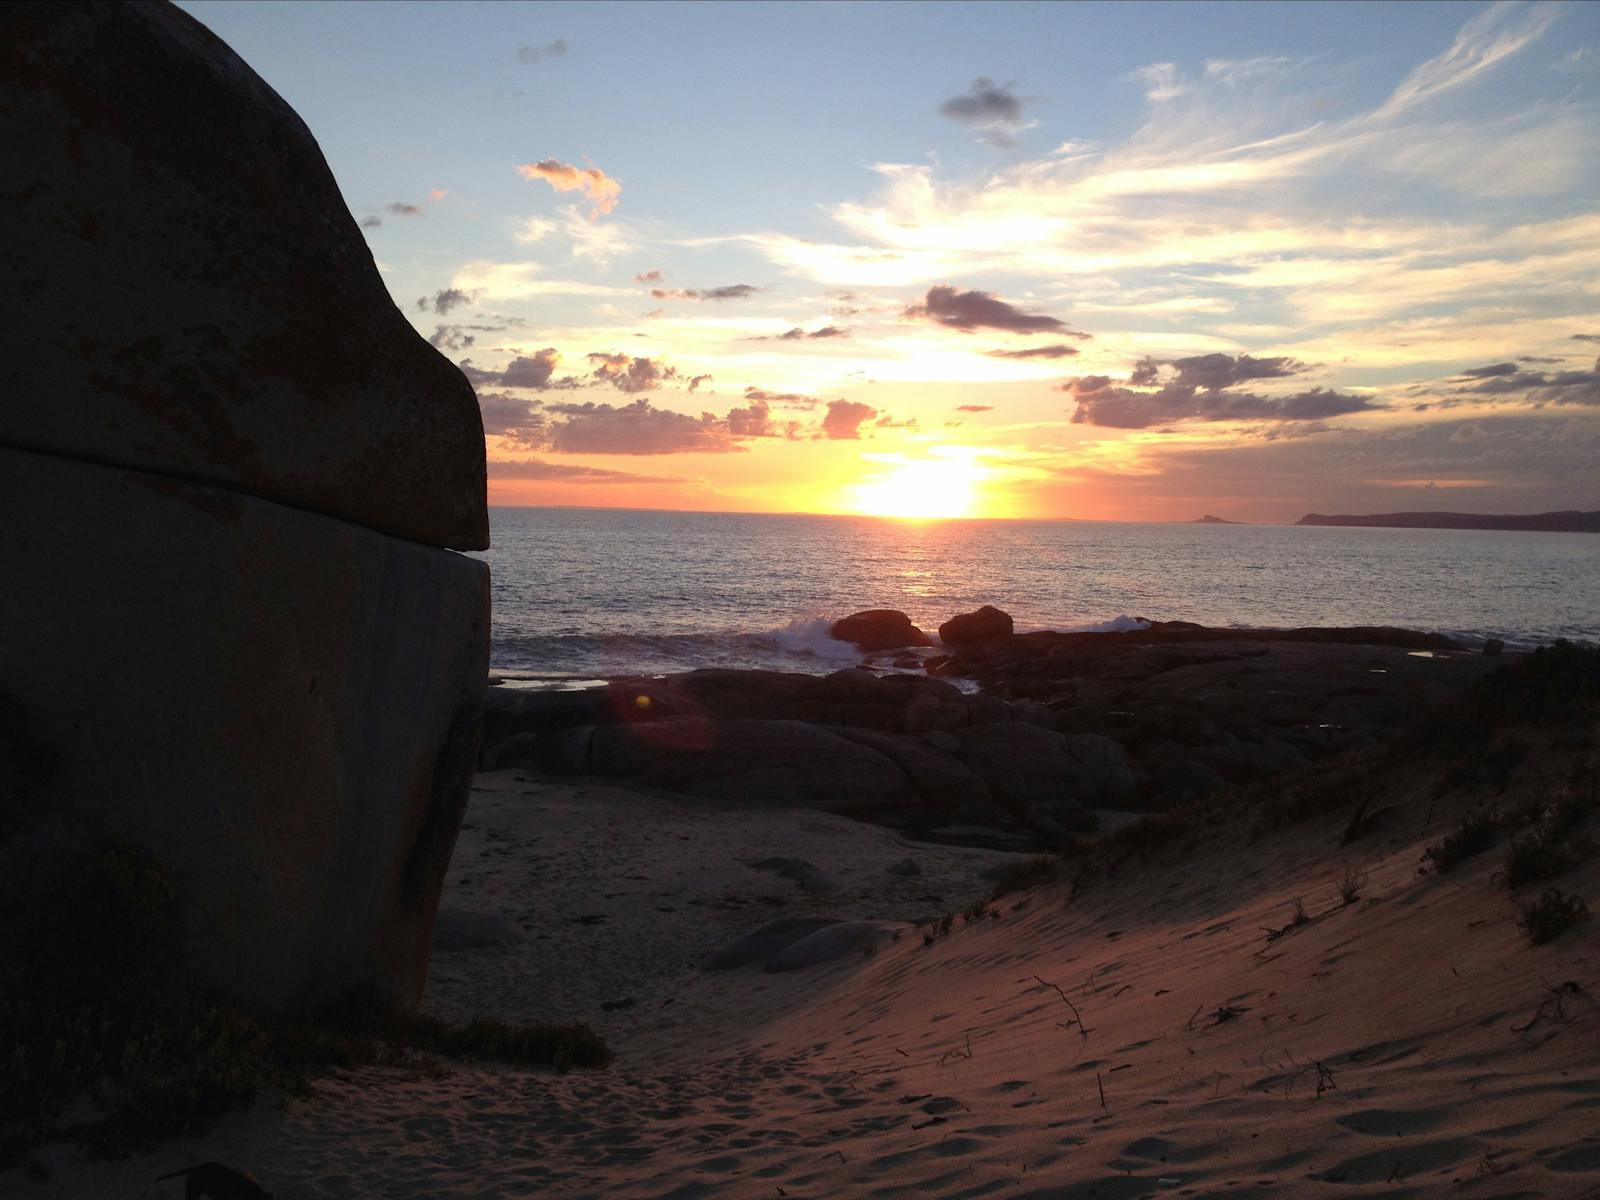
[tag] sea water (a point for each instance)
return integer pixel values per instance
(596, 593)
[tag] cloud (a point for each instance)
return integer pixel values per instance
(780, 399)
(755, 421)
(637, 428)
(1586, 337)
(798, 334)
(536, 371)
(967, 311)
(1486, 40)
(571, 473)
(533, 54)
(522, 281)
(991, 107)
(452, 338)
(371, 222)
(444, 300)
(627, 373)
(648, 277)
(602, 190)
(1100, 402)
(1535, 388)
(1503, 368)
(1057, 351)
(845, 418)
(732, 291)
(508, 416)
(974, 408)
(1198, 389)
(1215, 371)
(533, 229)
(400, 209)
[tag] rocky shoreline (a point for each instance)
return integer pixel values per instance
(1050, 728)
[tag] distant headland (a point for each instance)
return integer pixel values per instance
(1208, 519)
(1569, 521)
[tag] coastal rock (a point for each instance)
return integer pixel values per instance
(198, 299)
(834, 941)
(229, 468)
(808, 877)
(879, 629)
(288, 718)
(1024, 764)
(775, 762)
(764, 941)
(967, 628)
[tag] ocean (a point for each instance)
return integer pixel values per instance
(584, 594)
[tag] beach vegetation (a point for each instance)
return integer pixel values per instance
(1552, 914)
(1023, 876)
(1473, 834)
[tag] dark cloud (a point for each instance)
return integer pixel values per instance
(571, 473)
(1216, 371)
(845, 418)
(989, 106)
(452, 338)
(1537, 388)
(889, 421)
(1102, 402)
(696, 380)
(1058, 351)
(1586, 337)
(371, 222)
(732, 291)
(535, 371)
(637, 428)
(648, 277)
(967, 311)
(797, 334)
(443, 301)
(755, 421)
(1145, 372)
(627, 373)
(509, 416)
(533, 54)
(974, 408)
(400, 209)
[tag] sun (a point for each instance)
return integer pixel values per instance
(924, 489)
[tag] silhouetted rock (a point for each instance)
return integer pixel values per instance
(966, 628)
(879, 629)
(1494, 647)
(227, 467)
(192, 294)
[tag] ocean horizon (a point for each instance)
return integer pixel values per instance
(591, 593)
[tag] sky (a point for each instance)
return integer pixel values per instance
(1127, 262)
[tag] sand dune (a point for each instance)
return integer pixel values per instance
(1146, 1039)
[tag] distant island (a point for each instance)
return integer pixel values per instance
(1208, 519)
(1570, 521)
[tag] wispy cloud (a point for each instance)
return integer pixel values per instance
(1486, 40)
(534, 54)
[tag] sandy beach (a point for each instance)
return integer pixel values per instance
(1150, 1037)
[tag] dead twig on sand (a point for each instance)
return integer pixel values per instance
(1100, 1083)
(1553, 1007)
(1076, 1015)
(957, 1052)
(1228, 1012)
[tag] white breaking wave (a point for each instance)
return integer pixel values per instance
(809, 635)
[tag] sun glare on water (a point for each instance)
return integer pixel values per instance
(922, 490)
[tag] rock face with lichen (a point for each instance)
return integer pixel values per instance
(234, 633)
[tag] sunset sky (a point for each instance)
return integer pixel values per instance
(1123, 261)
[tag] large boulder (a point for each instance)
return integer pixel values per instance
(229, 468)
(967, 628)
(879, 629)
(189, 295)
(281, 707)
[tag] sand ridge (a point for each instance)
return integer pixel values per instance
(1146, 1039)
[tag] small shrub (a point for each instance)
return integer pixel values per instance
(1552, 914)
(1472, 837)
(1022, 876)
(1544, 853)
(1352, 883)
(977, 910)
